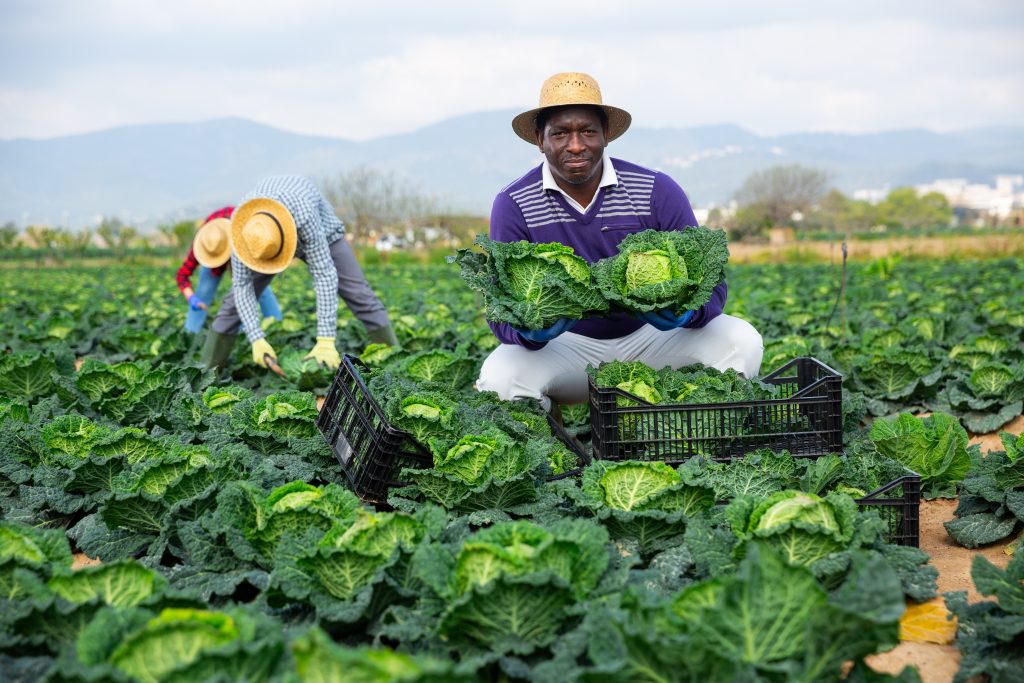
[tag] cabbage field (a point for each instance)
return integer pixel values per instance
(161, 523)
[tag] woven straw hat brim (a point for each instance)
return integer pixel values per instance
(213, 259)
(525, 124)
(284, 218)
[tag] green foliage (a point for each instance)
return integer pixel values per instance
(935, 447)
(256, 523)
(656, 269)
(801, 527)
(767, 617)
(26, 375)
(221, 399)
(134, 456)
(528, 285)
(508, 588)
(991, 506)
(319, 660)
(990, 634)
(903, 207)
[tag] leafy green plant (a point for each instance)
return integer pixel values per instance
(509, 588)
(990, 633)
(655, 269)
(802, 527)
(935, 447)
(644, 502)
(220, 399)
(529, 285)
(318, 660)
(765, 618)
(991, 505)
(256, 523)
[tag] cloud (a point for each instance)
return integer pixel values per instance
(358, 71)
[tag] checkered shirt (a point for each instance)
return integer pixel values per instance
(317, 227)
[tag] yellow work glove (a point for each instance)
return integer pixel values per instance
(325, 353)
(260, 348)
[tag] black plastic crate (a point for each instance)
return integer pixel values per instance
(898, 502)
(807, 420)
(372, 452)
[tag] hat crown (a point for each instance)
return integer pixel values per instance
(213, 239)
(570, 87)
(263, 236)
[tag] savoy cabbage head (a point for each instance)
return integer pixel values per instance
(935, 447)
(256, 523)
(509, 588)
(646, 502)
(528, 285)
(656, 269)
(802, 527)
(318, 658)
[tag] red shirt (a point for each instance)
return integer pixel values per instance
(190, 263)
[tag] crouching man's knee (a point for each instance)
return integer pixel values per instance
(505, 372)
(749, 348)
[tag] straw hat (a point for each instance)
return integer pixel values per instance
(567, 89)
(263, 235)
(211, 245)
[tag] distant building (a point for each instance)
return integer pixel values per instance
(975, 202)
(872, 196)
(998, 201)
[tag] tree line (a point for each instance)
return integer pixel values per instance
(800, 198)
(374, 203)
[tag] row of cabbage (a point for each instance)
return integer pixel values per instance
(940, 335)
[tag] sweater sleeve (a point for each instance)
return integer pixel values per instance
(672, 211)
(188, 266)
(509, 225)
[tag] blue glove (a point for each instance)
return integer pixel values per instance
(195, 303)
(548, 333)
(665, 319)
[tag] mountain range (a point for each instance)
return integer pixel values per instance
(163, 172)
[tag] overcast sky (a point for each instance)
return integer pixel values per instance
(363, 69)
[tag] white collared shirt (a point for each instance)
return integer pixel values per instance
(608, 177)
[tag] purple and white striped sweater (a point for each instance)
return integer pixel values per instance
(643, 199)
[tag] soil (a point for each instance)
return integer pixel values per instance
(939, 663)
(81, 560)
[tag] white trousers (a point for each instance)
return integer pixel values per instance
(557, 373)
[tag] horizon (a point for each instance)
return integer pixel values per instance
(635, 124)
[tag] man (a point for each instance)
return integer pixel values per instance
(281, 218)
(583, 198)
(210, 253)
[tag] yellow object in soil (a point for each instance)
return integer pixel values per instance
(928, 622)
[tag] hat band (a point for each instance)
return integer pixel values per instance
(280, 230)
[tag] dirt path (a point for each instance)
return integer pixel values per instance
(991, 442)
(939, 663)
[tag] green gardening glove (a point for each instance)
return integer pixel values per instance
(325, 353)
(260, 348)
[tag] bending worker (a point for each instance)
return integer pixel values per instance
(281, 218)
(581, 197)
(211, 253)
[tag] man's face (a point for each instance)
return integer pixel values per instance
(573, 141)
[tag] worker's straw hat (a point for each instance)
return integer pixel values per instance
(212, 245)
(568, 89)
(263, 235)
